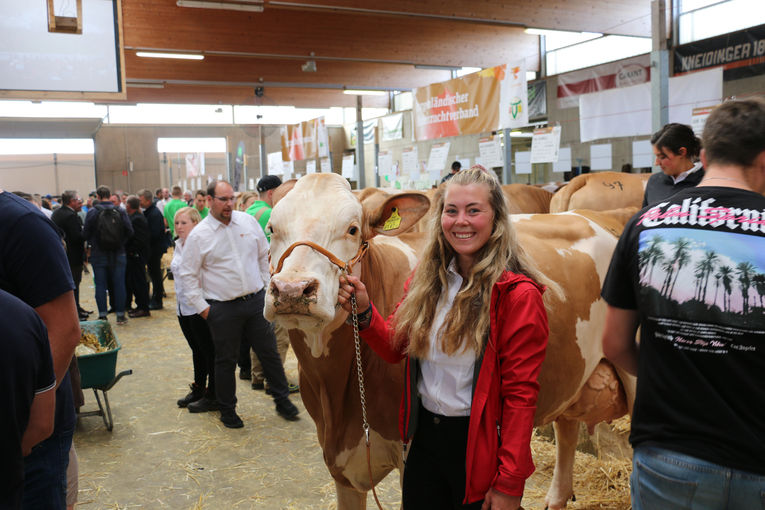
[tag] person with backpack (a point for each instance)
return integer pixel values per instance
(107, 229)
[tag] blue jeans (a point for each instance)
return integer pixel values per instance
(45, 473)
(666, 480)
(106, 268)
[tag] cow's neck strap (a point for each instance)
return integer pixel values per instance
(346, 267)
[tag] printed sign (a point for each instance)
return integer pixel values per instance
(307, 140)
(490, 152)
(545, 144)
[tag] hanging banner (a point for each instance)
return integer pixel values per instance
(624, 73)
(537, 99)
(326, 166)
(307, 140)
(310, 166)
(238, 165)
(349, 168)
(545, 144)
(275, 163)
(741, 54)
(370, 129)
(514, 97)
(392, 127)
(195, 164)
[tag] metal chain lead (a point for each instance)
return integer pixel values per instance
(359, 371)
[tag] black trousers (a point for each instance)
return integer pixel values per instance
(234, 322)
(136, 284)
(77, 277)
(198, 336)
(434, 474)
(154, 265)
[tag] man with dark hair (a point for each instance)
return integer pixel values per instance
(108, 261)
(699, 411)
(224, 272)
(200, 203)
(34, 268)
(137, 250)
(157, 246)
(67, 219)
(159, 201)
(456, 167)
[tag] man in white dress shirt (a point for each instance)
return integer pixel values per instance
(225, 271)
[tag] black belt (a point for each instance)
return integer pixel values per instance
(246, 297)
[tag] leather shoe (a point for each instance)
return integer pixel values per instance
(84, 316)
(203, 405)
(139, 313)
(245, 375)
(258, 384)
(287, 410)
(231, 420)
(195, 394)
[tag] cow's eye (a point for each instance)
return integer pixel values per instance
(352, 231)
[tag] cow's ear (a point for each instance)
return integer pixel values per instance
(397, 214)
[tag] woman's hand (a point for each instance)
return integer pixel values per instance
(350, 285)
(496, 500)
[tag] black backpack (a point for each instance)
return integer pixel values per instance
(111, 230)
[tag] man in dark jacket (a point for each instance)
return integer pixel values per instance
(107, 263)
(67, 219)
(157, 246)
(137, 251)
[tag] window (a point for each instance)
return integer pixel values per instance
(596, 51)
(701, 19)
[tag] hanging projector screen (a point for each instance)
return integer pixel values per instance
(36, 63)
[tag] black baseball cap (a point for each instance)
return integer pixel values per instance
(269, 182)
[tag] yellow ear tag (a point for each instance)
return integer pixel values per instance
(393, 222)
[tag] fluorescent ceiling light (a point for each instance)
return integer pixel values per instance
(542, 31)
(139, 85)
(156, 54)
(520, 134)
(360, 92)
(243, 5)
(437, 68)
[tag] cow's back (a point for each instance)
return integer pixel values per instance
(600, 191)
(526, 199)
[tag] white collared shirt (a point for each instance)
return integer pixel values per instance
(682, 176)
(223, 262)
(184, 308)
(446, 382)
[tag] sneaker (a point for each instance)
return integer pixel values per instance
(122, 320)
(203, 405)
(195, 394)
(231, 420)
(287, 410)
(102, 318)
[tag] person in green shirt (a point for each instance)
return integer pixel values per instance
(261, 209)
(200, 203)
(172, 207)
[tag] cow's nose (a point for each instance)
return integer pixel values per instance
(294, 289)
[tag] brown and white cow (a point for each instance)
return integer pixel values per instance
(601, 191)
(576, 384)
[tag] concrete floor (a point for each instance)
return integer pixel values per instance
(159, 456)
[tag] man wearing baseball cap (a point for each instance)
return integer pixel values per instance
(261, 209)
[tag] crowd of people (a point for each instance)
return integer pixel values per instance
(472, 327)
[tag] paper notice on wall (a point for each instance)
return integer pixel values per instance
(642, 154)
(545, 144)
(326, 167)
(490, 151)
(310, 166)
(564, 160)
(288, 169)
(349, 171)
(600, 157)
(251, 184)
(437, 160)
(409, 163)
(199, 183)
(275, 164)
(699, 119)
(465, 162)
(523, 162)
(384, 163)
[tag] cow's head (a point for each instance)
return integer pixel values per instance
(322, 209)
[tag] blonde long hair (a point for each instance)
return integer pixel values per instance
(467, 322)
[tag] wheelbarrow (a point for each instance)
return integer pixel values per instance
(97, 370)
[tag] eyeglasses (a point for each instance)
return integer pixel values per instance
(225, 199)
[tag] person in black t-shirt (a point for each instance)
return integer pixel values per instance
(690, 271)
(676, 148)
(34, 268)
(27, 402)
(137, 251)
